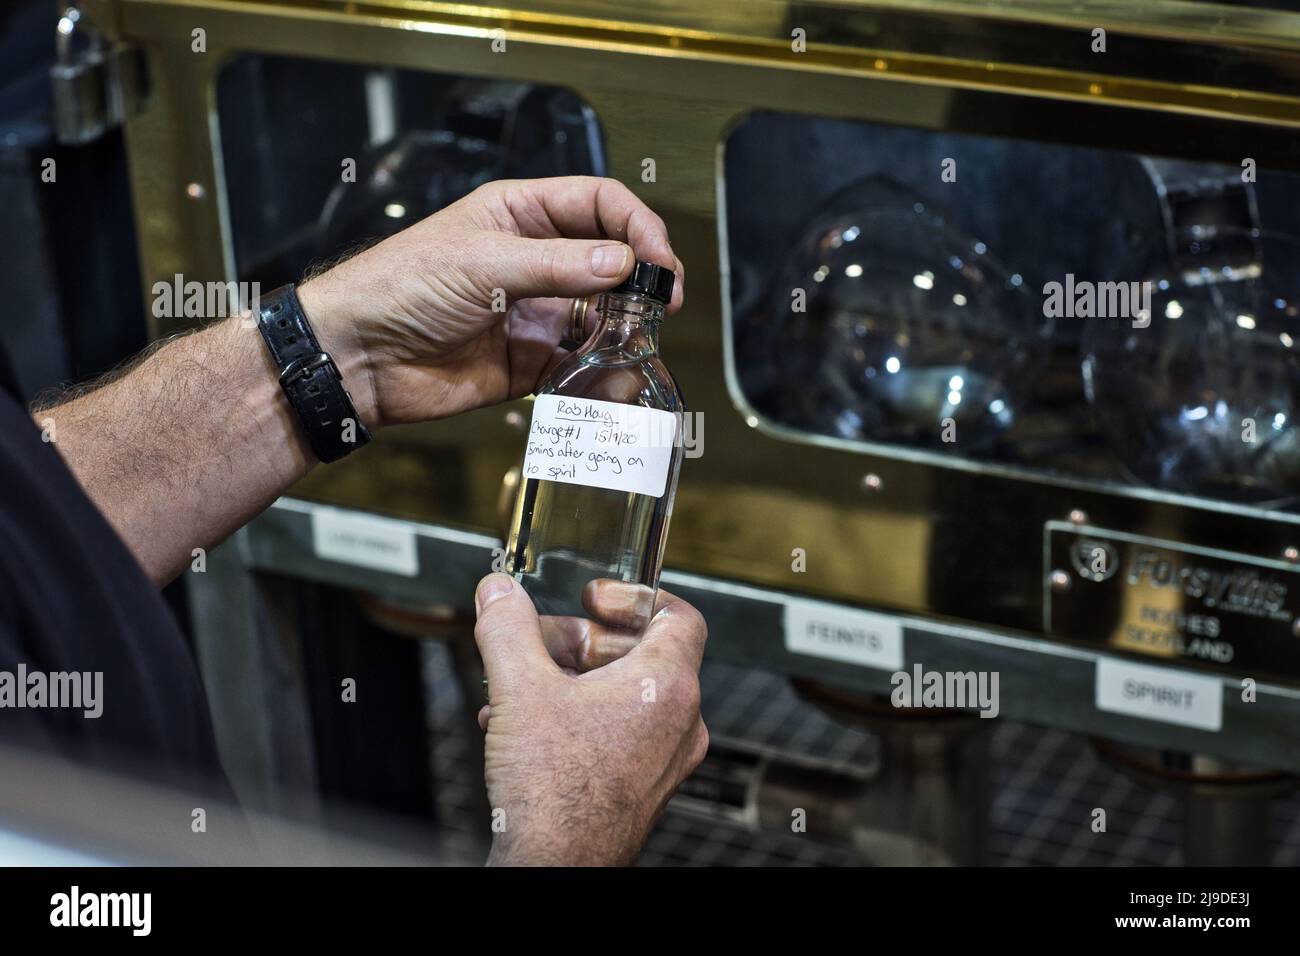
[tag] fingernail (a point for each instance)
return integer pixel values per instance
(609, 261)
(490, 588)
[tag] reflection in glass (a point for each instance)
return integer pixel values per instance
(911, 332)
(1203, 401)
(401, 182)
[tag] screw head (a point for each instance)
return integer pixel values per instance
(515, 420)
(195, 191)
(1060, 581)
(872, 482)
(1078, 516)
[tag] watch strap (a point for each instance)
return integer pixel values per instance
(309, 377)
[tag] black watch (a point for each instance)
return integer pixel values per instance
(310, 378)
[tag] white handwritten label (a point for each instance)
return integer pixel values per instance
(843, 634)
(1156, 693)
(583, 441)
(365, 540)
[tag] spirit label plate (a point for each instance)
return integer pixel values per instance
(843, 634)
(367, 541)
(1160, 693)
(1183, 604)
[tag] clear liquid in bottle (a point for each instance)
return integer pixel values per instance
(600, 469)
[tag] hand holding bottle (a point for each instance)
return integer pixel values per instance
(588, 732)
(467, 308)
(579, 765)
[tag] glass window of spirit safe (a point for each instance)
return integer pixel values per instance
(1077, 312)
(323, 157)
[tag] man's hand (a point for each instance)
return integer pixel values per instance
(467, 307)
(198, 438)
(580, 764)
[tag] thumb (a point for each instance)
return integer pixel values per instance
(560, 268)
(508, 633)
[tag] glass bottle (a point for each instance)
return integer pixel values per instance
(600, 469)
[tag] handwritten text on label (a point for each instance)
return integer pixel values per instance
(585, 441)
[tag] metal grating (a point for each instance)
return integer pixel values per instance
(1045, 786)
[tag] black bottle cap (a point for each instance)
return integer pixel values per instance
(649, 280)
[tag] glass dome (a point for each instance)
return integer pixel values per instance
(1203, 400)
(910, 333)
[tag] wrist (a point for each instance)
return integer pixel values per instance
(270, 420)
(552, 843)
(335, 323)
(515, 852)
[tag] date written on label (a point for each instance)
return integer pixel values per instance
(584, 441)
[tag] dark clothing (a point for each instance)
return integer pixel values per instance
(74, 599)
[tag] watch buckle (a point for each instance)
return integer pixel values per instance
(305, 366)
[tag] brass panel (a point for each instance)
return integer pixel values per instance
(668, 81)
(1176, 602)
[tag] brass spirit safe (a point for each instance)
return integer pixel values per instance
(990, 325)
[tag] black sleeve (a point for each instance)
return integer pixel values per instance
(23, 727)
(73, 601)
(8, 381)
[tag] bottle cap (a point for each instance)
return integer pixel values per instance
(650, 280)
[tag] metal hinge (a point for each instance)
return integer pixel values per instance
(89, 80)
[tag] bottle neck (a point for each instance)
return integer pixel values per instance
(629, 326)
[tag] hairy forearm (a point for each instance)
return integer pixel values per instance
(186, 447)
